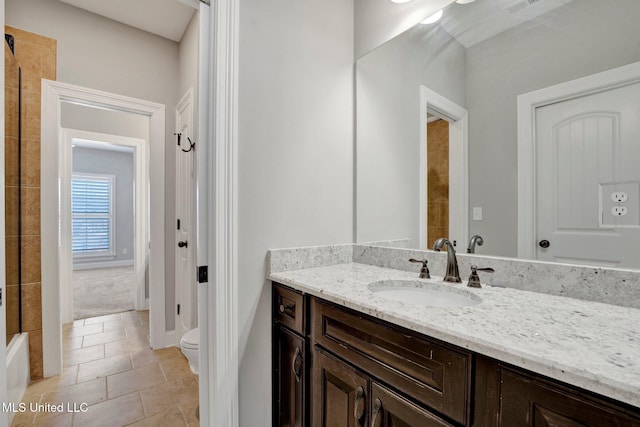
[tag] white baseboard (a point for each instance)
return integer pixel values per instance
(170, 339)
(104, 264)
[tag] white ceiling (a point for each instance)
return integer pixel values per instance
(474, 22)
(165, 18)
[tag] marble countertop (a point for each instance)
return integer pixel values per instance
(590, 345)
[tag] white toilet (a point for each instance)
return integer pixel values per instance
(189, 346)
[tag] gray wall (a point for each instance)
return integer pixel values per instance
(81, 117)
(579, 39)
(295, 158)
(120, 164)
(102, 54)
(388, 126)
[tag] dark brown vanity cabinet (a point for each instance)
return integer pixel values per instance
(337, 367)
(290, 359)
(342, 396)
(532, 402)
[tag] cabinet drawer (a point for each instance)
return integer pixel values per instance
(288, 308)
(429, 372)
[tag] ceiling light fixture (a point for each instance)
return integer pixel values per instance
(464, 1)
(433, 18)
(400, 1)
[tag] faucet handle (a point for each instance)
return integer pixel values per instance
(474, 279)
(424, 271)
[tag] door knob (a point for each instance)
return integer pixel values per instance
(182, 244)
(544, 244)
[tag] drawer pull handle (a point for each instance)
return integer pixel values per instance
(296, 364)
(358, 411)
(288, 308)
(377, 408)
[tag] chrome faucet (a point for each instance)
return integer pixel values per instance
(453, 275)
(475, 240)
(424, 271)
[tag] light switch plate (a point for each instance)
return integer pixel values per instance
(477, 214)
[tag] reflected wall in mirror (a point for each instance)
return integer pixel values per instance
(481, 57)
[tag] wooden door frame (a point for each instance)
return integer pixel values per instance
(527, 105)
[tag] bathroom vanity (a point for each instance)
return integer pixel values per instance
(345, 355)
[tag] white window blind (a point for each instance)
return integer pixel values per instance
(92, 214)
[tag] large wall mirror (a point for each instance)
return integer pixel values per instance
(443, 111)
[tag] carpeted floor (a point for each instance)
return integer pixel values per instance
(103, 291)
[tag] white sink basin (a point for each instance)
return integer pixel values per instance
(418, 292)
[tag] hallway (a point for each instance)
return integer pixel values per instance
(109, 367)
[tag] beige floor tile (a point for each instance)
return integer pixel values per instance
(126, 346)
(130, 315)
(79, 331)
(147, 356)
(176, 368)
(62, 420)
(163, 397)
(90, 392)
(137, 331)
(121, 411)
(122, 324)
(102, 368)
(189, 410)
(71, 343)
(23, 419)
(66, 378)
(137, 379)
(170, 418)
(83, 355)
(100, 319)
(144, 316)
(103, 338)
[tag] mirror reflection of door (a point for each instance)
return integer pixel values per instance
(587, 155)
(437, 178)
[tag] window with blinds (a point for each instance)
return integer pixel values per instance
(92, 210)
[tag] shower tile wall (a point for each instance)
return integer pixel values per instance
(37, 57)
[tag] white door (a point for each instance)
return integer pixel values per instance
(185, 209)
(588, 179)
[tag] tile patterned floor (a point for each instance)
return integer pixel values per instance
(109, 367)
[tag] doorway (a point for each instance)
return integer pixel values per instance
(108, 205)
(443, 170)
(56, 245)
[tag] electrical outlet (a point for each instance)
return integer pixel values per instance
(619, 197)
(619, 210)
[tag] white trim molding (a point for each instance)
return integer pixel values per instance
(53, 180)
(527, 105)
(217, 212)
(458, 171)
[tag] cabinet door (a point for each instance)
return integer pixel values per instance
(289, 379)
(527, 402)
(340, 394)
(392, 410)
